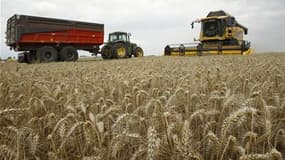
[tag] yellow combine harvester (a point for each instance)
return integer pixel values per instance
(220, 34)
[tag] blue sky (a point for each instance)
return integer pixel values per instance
(155, 23)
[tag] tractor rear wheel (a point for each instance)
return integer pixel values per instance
(120, 50)
(47, 54)
(68, 53)
(138, 52)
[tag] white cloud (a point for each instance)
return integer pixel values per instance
(154, 23)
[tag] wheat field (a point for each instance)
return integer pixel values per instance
(151, 108)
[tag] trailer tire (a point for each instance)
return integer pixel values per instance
(47, 54)
(138, 52)
(31, 57)
(120, 50)
(68, 53)
(22, 57)
(106, 52)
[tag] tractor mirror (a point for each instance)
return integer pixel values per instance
(192, 25)
(129, 34)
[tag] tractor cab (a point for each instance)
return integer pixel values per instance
(119, 36)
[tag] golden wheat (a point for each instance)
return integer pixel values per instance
(153, 108)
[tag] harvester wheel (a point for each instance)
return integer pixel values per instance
(167, 50)
(47, 54)
(199, 49)
(106, 52)
(181, 50)
(68, 53)
(120, 50)
(242, 48)
(220, 49)
(138, 52)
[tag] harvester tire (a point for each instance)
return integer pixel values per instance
(220, 49)
(242, 48)
(106, 52)
(181, 50)
(68, 53)
(167, 50)
(138, 52)
(120, 50)
(47, 54)
(199, 50)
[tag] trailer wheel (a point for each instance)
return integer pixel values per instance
(138, 52)
(22, 57)
(120, 50)
(47, 54)
(106, 52)
(68, 53)
(31, 57)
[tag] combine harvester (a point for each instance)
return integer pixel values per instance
(220, 34)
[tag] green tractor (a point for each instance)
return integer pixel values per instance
(119, 46)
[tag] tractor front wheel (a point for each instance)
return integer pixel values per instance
(138, 52)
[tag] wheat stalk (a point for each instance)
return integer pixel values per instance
(198, 108)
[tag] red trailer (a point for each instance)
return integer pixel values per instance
(49, 39)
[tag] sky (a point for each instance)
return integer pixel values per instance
(156, 23)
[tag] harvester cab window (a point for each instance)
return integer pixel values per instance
(210, 28)
(230, 21)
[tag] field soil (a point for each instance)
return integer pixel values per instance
(153, 108)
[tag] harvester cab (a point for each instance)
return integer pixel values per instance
(120, 46)
(220, 34)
